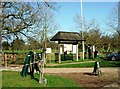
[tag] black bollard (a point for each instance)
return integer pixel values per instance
(97, 70)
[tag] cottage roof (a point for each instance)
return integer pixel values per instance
(66, 36)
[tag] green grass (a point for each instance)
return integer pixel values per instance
(13, 79)
(110, 64)
(87, 64)
(79, 60)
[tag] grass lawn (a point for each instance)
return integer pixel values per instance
(14, 79)
(86, 64)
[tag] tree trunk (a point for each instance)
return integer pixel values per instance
(0, 42)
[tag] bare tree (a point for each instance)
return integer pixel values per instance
(47, 25)
(15, 18)
(18, 18)
(91, 29)
(18, 44)
(113, 20)
(88, 25)
(94, 37)
(113, 23)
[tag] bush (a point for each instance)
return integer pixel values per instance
(67, 57)
(50, 57)
(20, 58)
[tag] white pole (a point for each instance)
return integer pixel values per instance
(59, 55)
(77, 52)
(83, 45)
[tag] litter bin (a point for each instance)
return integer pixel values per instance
(97, 70)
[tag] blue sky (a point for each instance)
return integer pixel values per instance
(98, 10)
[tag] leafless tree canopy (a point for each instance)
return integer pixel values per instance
(113, 20)
(19, 18)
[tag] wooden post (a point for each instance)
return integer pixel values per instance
(14, 57)
(5, 60)
(40, 80)
(59, 55)
(43, 63)
(41, 73)
(77, 52)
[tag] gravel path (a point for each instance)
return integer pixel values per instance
(53, 64)
(63, 70)
(84, 76)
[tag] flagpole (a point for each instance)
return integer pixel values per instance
(83, 44)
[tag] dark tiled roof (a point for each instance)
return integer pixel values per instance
(66, 36)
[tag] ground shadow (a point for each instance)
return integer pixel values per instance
(35, 79)
(91, 74)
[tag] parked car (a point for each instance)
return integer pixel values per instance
(114, 56)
